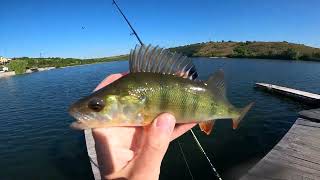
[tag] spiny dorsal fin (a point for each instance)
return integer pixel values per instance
(216, 84)
(158, 60)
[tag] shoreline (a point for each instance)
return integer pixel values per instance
(29, 71)
(7, 74)
(217, 57)
(90, 64)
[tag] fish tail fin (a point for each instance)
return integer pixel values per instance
(217, 86)
(236, 121)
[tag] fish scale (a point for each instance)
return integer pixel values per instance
(186, 99)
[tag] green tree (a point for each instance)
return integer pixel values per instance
(19, 66)
(241, 51)
(316, 54)
(290, 53)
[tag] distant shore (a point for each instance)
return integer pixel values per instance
(35, 70)
(28, 71)
(214, 50)
(251, 50)
(30, 65)
(215, 57)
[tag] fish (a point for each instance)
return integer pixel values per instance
(158, 81)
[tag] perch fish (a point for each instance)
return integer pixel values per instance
(159, 81)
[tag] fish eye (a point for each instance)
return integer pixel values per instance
(96, 104)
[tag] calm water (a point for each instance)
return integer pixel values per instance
(36, 142)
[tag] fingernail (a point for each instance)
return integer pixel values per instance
(166, 122)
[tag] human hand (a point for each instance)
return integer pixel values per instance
(135, 152)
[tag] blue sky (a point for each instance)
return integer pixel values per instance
(54, 27)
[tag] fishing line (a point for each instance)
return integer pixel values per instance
(185, 159)
(193, 134)
(93, 162)
(205, 154)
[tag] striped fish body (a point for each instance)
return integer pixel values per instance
(187, 100)
(137, 98)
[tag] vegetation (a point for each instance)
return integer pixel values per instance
(251, 49)
(19, 65)
(248, 49)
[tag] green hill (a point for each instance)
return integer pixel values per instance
(251, 49)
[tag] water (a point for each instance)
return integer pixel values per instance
(36, 142)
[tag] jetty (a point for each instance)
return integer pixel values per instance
(92, 154)
(306, 97)
(296, 156)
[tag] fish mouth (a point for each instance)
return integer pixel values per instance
(81, 119)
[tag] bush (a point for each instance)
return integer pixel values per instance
(241, 51)
(291, 54)
(305, 57)
(316, 55)
(19, 66)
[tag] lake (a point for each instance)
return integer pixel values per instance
(37, 143)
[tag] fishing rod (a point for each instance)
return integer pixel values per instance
(193, 134)
(125, 18)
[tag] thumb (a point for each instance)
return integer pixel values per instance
(158, 137)
(156, 143)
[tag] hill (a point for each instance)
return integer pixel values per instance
(250, 49)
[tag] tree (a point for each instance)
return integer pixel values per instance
(290, 53)
(316, 54)
(241, 51)
(19, 66)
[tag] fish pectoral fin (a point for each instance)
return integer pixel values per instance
(207, 126)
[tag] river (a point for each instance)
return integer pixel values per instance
(37, 143)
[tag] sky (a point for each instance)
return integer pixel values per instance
(94, 28)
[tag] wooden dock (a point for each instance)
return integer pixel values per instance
(306, 97)
(92, 154)
(296, 156)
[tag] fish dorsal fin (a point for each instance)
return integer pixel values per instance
(216, 84)
(158, 60)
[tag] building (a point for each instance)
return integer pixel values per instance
(4, 60)
(4, 69)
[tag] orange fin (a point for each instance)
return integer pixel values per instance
(236, 121)
(206, 126)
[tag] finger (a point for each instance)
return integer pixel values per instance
(112, 160)
(181, 129)
(112, 148)
(117, 136)
(156, 143)
(109, 79)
